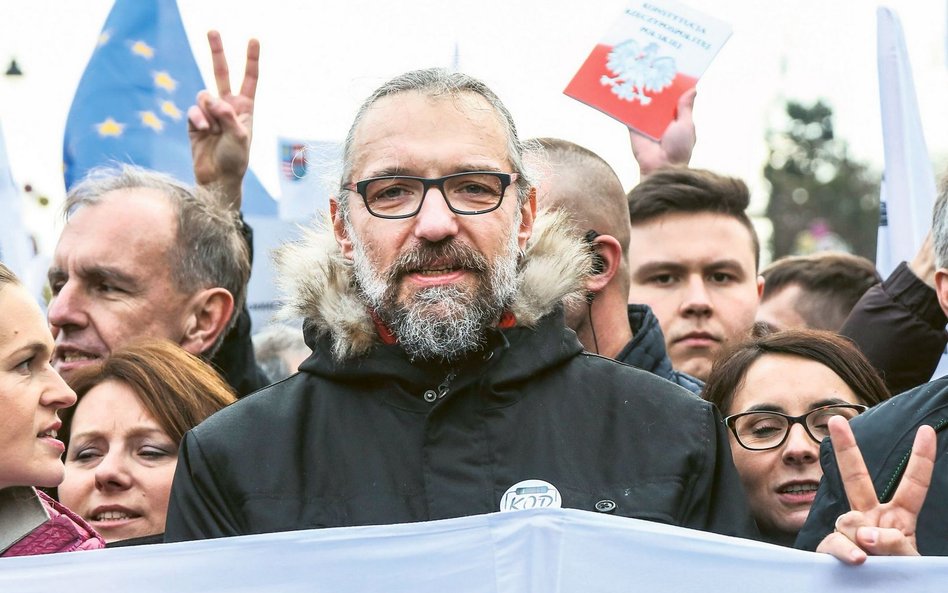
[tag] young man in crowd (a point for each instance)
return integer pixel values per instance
(814, 291)
(693, 258)
(903, 307)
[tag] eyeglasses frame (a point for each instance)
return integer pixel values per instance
(506, 180)
(731, 421)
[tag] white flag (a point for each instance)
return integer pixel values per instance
(908, 181)
(16, 248)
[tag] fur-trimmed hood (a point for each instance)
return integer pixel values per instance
(316, 281)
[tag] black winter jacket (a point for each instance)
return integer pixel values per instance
(900, 327)
(885, 434)
(357, 443)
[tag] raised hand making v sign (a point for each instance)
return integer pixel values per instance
(221, 127)
(871, 527)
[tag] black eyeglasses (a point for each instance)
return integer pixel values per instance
(759, 431)
(401, 196)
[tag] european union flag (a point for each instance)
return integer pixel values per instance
(131, 103)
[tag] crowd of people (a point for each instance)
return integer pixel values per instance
(479, 311)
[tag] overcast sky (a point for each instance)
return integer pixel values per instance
(320, 59)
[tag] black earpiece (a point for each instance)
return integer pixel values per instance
(598, 264)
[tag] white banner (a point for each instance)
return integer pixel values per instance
(545, 551)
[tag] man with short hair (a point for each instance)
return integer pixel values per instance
(693, 258)
(143, 255)
(443, 381)
(814, 291)
(577, 181)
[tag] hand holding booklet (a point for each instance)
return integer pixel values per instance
(657, 50)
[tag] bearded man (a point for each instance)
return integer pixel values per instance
(443, 381)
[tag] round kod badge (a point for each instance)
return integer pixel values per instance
(531, 494)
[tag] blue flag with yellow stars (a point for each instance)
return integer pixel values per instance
(131, 104)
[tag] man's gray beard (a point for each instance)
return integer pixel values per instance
(439, 322)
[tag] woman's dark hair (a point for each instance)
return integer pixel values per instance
(827, 348)
(178, 389)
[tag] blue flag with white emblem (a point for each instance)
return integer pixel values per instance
(132, 100)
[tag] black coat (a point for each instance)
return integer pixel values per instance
(900, 327)
(885, 435)
(357, 443)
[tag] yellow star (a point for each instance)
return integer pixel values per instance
(143, 49)
(171, 110)
(164, 80)
(149, 119)
(110, 127)
(104, 38)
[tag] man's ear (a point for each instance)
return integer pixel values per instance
(941, 288)
(528, 212)
(609, 254)
(339, 228)
(209, 312)
(760, 288)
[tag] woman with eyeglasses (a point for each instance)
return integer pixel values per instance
(777, 393)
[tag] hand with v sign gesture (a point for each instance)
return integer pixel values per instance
(871, 527)
(221, 127)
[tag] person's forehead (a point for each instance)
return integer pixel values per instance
(113, 405)
(702, 235)
(414, 133)
(22, 322)
(138, 221)
(803, 384)
(751, 391)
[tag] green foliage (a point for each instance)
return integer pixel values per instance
(817, 191)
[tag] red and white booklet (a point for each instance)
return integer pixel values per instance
(657, 50)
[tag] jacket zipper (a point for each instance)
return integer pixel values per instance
(432, 395)
(897, 474)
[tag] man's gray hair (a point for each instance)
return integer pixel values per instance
(940, 224)
(209, 250)
(439, 82)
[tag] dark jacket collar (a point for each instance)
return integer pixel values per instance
(646, 350)
(509, 356)
(317, 281)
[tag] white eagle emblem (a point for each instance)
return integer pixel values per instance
(638, 70)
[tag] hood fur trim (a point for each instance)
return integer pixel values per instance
(316, 281)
